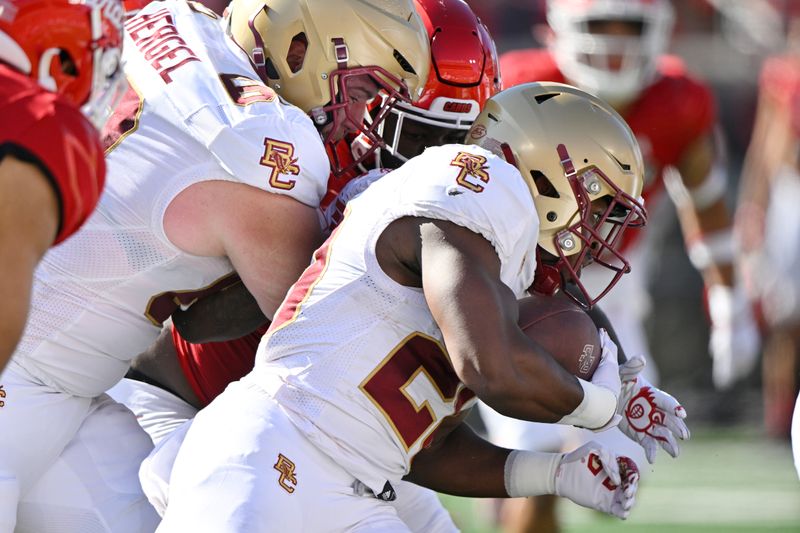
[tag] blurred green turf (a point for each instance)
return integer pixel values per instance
(726, 480)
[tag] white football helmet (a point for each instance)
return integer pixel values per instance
(584, 56)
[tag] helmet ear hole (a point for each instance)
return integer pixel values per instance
(67, 64)
(295, 57)
(543, 185)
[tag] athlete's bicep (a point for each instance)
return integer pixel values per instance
(476, 312)
(269, 238)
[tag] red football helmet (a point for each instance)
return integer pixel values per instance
(464, 73)
(584, 54)
(71, 47)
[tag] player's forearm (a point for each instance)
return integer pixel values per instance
(462, 465)
(710, 242)
(228, 314)
(15, 293)
(532, 387)
(159, 364)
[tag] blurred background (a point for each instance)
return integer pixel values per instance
(736, 474)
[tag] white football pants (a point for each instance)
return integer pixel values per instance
(67, 463)
(241, 465)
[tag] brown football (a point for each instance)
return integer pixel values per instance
(564, 329)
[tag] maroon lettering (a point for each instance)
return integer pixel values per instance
(157, 38)
(457, 107)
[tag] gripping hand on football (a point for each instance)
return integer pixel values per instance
(650, 416)
(592, 476)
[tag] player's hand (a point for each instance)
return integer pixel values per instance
(650, 416)
(735, 340)
(594, 477)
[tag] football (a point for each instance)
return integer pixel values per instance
(564, 329)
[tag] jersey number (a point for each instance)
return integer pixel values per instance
(398, 387)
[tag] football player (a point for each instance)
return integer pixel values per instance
(210, 171)
(174, 377)
(57, 58)
(616, 49)
(408, 308)
(767, 223)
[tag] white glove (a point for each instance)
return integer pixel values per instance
(650, 416)
(607, 373)
(734, 339)
(594, 477)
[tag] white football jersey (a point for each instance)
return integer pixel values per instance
(355, 358)
(196, 112)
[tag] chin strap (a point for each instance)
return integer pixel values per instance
(257, 55)
(547, 278)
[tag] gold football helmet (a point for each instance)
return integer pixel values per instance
(584, 169)
(307, 49)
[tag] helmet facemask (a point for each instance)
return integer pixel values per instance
(593, 234)
(369, 126)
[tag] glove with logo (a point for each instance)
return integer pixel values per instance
(592, 476)
(650, 416)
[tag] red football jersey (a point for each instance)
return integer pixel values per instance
(211, 366)
(38, 126)
(673, 112)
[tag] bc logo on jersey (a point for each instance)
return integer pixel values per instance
(472, 166)
(287, 481)
(278, 156)
(2, 395)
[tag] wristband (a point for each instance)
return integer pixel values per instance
(598, 407)
(531, 473)
(717, 248)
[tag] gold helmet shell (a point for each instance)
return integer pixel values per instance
(356, 33)
(583, 167)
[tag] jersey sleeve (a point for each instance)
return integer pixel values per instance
(282, 155)
(58, 138)
(472, 187)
